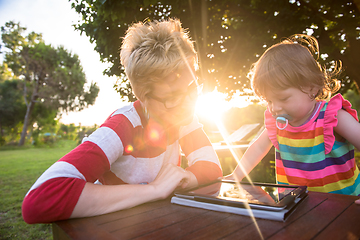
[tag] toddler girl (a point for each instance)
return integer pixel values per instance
(313, 135)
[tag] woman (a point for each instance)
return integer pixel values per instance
(134, 157)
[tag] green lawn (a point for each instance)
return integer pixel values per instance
(19, 169)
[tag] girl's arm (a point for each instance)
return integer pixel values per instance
(253, 155)
(348, 128)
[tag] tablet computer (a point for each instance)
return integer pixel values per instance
(266, 196)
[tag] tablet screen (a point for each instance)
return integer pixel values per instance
(245, 192)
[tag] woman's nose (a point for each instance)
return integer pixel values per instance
(189, 102)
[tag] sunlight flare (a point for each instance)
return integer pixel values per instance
(237, 156)
(212, 105)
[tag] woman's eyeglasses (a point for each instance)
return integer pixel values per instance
(193, 91)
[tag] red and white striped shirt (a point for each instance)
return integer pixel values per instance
(125, 149)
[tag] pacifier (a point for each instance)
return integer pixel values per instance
(283, 119)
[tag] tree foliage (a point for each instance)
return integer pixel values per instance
(354, 99)
(12, 107)
(230, 35)
(52, 78)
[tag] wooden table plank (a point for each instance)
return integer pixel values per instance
(320, 216)
(143, 208)
(155, 223)
(83, 229)
(221, 228)
(91, 228)
(316, 220)
(185, 227)
(348, 222)
(137, 219)
(266, 228)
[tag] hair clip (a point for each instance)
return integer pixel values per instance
(283, 119)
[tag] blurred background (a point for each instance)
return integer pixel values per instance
(229, 36)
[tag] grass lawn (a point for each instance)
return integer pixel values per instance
(19, 169)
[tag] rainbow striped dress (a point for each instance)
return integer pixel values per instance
(309, 155)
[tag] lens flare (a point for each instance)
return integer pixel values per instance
(237, 156)
(154, 135)
(129, 149)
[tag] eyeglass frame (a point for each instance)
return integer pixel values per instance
(198, 88)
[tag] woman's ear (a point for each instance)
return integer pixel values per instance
(145, 109)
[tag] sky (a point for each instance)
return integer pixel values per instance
(54, 19)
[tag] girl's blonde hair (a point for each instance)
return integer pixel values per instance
(150, 51)
(291, 63)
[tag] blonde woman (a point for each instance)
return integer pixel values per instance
(134, 157)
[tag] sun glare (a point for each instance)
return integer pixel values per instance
(212, 105)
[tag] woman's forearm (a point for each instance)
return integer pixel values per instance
(100, 199)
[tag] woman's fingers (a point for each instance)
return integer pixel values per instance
(169, 178)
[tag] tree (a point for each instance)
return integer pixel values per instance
(5, 74)
(11, 107)
(51, 77)
(230, 35)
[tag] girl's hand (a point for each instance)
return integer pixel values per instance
(357, 201)
(229, 177)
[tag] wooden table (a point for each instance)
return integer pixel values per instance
(320, 216)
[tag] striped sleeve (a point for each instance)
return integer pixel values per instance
(60, 186)
(202, 158)
(55, 194)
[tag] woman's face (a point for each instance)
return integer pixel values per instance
(172, 102)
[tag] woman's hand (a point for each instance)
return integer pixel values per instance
(357, 201)
(169, 178)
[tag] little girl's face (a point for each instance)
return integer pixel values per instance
(292, 101)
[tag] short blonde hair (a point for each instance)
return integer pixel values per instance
(292, 64)
(152, 50)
